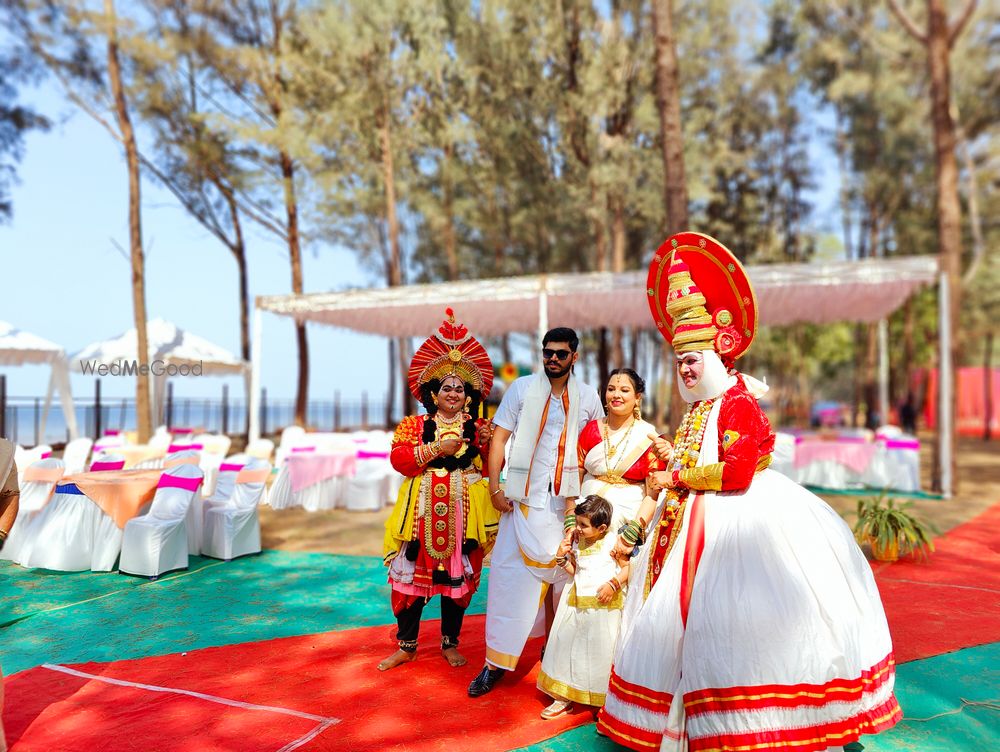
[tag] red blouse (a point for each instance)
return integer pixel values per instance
(409, 435)
(647, 462)
(745, 445)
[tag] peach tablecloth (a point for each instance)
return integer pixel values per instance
(119, 493)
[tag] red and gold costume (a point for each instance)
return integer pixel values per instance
(752, 621)
(443, 523)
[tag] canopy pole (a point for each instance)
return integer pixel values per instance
(945, 448)
(543, 313)
(883, 371)
(253, 399)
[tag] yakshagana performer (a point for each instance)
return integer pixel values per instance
(752, 620)
(443, 523)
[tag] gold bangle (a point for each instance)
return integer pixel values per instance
(494, 493)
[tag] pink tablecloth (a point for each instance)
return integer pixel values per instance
(307, 469)
(852, 454)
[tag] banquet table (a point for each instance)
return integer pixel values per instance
(312, 479)
(81, 526)
(853, 462)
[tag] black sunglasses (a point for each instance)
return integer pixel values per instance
(548, 352)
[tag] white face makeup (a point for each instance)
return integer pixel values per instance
(690, 368)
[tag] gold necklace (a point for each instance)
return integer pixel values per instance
(609, 451)
(442, 421)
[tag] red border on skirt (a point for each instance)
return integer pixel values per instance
(806, 739)
(789, 695)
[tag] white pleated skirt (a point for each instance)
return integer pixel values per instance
(785, 643)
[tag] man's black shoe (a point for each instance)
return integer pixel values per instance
(486, 680)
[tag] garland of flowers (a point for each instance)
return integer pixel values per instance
(687, 449)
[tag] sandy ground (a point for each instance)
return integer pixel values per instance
(360, 533)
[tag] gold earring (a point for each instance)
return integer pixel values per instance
(434, 397)
(637, 411)
(468, 401)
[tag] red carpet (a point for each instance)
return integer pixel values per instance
(950, 600)
(419, 706)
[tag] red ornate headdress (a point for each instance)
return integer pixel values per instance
(701, 297)
(451, 352)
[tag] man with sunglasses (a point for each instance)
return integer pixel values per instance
(544, 414)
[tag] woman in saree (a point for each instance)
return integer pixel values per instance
(616, 452)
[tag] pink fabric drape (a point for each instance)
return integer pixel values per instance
(309, 469)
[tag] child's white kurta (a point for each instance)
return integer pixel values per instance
(581, 644)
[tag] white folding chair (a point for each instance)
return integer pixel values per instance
(40, 479)
(157, 542)
(75, 454)
(232, 529)
(189, 457)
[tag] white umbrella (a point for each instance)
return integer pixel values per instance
(18, 348)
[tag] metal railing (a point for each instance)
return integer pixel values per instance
(20, 417)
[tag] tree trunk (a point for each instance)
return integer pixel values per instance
(239, 251)
(295, 256)
(391, 391)
(949, 212)
(675, 195)
(668, 102)
(395, 271)
(142, 406)
(450, 242)
(988, 386)
(617, 207)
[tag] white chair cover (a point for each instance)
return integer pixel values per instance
(34, 496)
(157, 542)
(189, 457)
(71, 534)
(24, 457)
(75, 455)
(292, 436)
(232, 528)
(369, 489)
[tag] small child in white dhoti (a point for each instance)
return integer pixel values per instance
(576, 666)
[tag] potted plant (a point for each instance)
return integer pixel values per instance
(891, 530)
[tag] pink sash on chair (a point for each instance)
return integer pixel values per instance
(174, 481)
(230, 467)
(194, 459)
(99, 466)
(184, 447)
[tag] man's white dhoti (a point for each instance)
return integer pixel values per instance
(522, 568)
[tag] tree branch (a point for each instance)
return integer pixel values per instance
(907, 22)
(959, 26)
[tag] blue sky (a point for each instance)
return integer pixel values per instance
(65, 280)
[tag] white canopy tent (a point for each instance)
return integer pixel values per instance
(863, 291)
(18, 348)
(168, 346)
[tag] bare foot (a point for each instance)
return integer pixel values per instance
(454, 658)
(396, 659)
